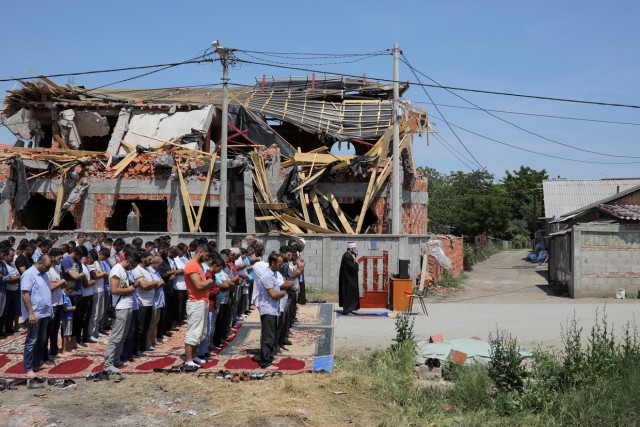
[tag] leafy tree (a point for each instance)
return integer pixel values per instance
(471, 203)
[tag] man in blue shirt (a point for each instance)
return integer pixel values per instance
(37, 310)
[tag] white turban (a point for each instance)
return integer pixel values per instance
(351, 245)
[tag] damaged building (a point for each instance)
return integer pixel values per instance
(89, 155)
(146, 161)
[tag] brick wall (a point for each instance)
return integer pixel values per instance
(454, 249)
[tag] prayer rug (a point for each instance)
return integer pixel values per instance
(312, 337)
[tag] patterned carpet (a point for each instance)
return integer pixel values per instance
(312, 337)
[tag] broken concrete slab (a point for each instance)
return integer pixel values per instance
(152, 129)
(121, 127)
(22, 124)
(90, 123)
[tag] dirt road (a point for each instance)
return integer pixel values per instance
(505, 292)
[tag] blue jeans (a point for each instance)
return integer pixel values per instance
(34, 344)
(211, 325)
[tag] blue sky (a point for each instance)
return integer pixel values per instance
(582, 50)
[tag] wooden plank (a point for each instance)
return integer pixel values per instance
(317, 208)
(425, 266)
(58, 210)
(61, 142)
(186, 201)
(135, 208)
(305, 212)
(274, 206)
(205, 191)
(120, 167)
(368, 195)
(266, 218)
(307, 225)
(336, 207)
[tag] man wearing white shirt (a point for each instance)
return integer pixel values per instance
(179, 283)
(145, 292)
(122, 300)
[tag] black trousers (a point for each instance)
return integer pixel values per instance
(182, 306)
(302, 296)
(268, 347)
(160, 330)
(11, 307)
(54, 329)
(169, 312)
(144, 321)
(82, 317)
(220, 332)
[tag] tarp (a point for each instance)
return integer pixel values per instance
(21, 194)
(258, 130)
(468, 346)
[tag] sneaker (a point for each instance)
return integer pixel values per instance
(200, 361)
(168, 334)
(33, 384)
(159, 342)
(92, 339)
(66, 384)
(101, 335)
(151, 348)
(81, 344)
(119, 364)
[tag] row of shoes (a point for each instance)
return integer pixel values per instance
(35, 383)
(243, 376)
(116, 377)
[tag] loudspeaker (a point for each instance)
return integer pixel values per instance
(403, 268)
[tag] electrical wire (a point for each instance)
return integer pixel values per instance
(489, 92)
(288, 55)
(550, 116)
(414, 71)
(109, 70)
(447, 122)
(324, 63)
(532, 151)
(450, 149)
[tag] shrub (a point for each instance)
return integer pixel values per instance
(521, 241)
(505, 368)
(404, 331)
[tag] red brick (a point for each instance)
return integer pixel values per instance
(457, 357)
(436, 338)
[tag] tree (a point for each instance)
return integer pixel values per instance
(524, 187)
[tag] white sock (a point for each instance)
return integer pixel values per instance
(198, 360)
(192, 363)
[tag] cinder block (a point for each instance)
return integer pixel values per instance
(457, 357)
(436, 338)
(426, 373)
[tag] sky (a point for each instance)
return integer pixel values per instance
(576, 50)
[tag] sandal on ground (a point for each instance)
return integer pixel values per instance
(235, 378)
(276, 374)
(244, 376)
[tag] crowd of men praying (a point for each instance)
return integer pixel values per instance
(137, 294)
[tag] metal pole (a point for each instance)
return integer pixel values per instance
(222, 209)
(396, 220)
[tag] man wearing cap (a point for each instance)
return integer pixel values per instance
(348, 281)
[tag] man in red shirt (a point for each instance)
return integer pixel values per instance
(197, 306)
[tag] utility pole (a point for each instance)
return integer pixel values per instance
(224, 191)
(396, 220)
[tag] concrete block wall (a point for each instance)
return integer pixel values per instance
(606, 258)
(322, 253)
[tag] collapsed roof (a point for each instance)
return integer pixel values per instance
(175, 131)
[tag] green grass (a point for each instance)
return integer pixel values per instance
(597, 384)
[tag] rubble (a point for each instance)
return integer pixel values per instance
(81, 135)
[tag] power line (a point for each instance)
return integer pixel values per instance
(110, 70)
(449, 149)
(535, 152)
(489, 92)
(406, 61)
(550, 116)
(361, 58)
(450, 128)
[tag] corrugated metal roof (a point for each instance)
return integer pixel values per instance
(631, 212)
(562, 196)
